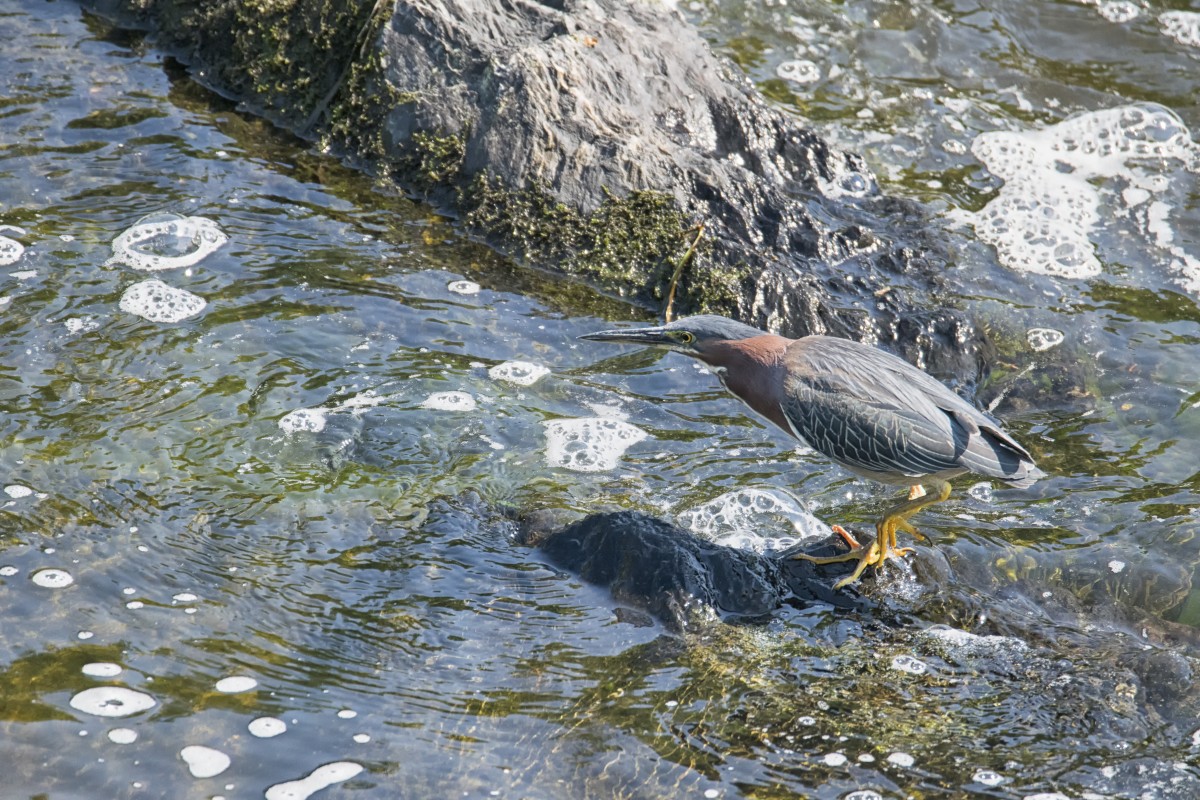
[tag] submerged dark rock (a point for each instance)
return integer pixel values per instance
(587, 136)
(678, 577)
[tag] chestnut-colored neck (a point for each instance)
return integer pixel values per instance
(752, 369)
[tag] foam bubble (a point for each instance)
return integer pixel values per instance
(982, 492)
(1041, 339)
(1118, 11)
(449, 401)
(10, 249)
(7, 571)
(463, 287)
(167, 241)
(204, 762)
(1182, 26)
(185, 597)
(16, 491)
(988, 777)
(347, 713)
(589, 444)
(846, 181)
(101, 669)
(522, 373)
(735, 519)
(112, 701)
(361, 738)
(835, 759)
(799, 71)
(122, 736)
(315, 781)
(1042, 218)
(909, 664)
(235, 684)
(52, 578)
(901, 759)
(863, 794)
(266, 727)
(311, 420)
(158, 302)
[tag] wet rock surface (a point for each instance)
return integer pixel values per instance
(679, 577)
(586, 136)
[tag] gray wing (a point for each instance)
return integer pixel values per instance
(876, 413)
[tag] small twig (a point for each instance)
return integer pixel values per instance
(687, 258)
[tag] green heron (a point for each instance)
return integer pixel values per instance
(871, 412)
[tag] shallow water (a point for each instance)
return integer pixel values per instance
(259, 490)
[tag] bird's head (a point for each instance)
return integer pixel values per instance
(693, 336)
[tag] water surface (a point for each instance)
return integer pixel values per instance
(273, 528)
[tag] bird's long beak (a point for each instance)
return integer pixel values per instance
(649, 336)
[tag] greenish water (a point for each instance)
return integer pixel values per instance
(388, 620)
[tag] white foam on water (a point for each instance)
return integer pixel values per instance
(167, 241)
(122, 736)
(1042, 219)
(982, 492)
(449, 401)
(1042, 339)
(901, 759)
(101, 669)
(235, 684)
(361, 738)
(112, 701)
(16, 491)
(589, 444)
(204, 762)
(361, 402)
(1118, 11)
(846, 181)
(910, 664)
(158, 302)
(988, 777)
(52, 578)
(463, 287)
(347, 713)
(834, 759)
(736, 519)
(315, 781)
(185, 597)
(800, 70)
(10, 249)
(1158, 224)
(7, 571)
(863, 794)
(266, 727)
(1182, 26)
(521, 373)
(311, 420)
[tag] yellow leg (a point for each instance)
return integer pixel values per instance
(884, 546)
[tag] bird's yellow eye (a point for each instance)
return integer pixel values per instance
(683, 337)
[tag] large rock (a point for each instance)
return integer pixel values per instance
(681, 579)
(587, 136)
